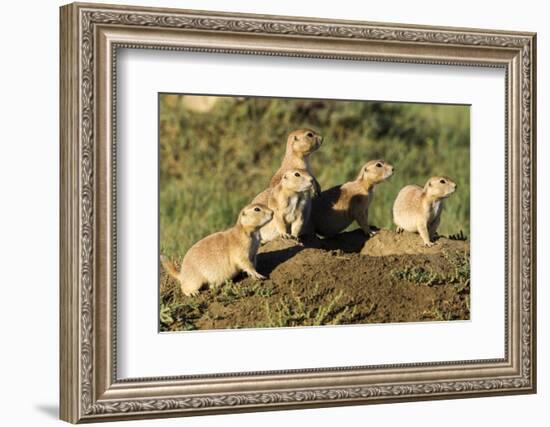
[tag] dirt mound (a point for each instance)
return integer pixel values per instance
(327, 281)
(386, 242)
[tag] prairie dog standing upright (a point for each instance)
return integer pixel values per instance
(335, 209)
(289, 200)
(418, 209)
(299, 145)
(220, 256)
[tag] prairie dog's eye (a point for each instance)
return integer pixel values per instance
(378, 165)
(309, 134)
(257, 209)
(296, 174)
(442, 181)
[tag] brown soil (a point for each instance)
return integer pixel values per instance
(344, 280)
(386, 243)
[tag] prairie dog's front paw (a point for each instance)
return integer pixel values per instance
(256, 275)
(429, 244)
(370, 232)
(295, 238)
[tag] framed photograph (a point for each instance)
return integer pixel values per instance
(326, 276)
(265, 212)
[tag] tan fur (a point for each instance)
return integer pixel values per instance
(289, 201)
(222, 255)
(299, 146)
(336, 208)
(263, 197)
(418, 209)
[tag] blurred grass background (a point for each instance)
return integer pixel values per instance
(216, 154)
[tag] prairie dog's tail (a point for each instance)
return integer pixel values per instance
(169, 267)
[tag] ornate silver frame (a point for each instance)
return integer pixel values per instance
(90, 36)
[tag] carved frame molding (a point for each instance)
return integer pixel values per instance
(90, 37)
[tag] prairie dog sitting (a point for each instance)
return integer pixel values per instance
(299, 146)
(335, 209)
(220, 256)
(289, 200)
(418, 209)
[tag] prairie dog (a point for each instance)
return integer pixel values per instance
(263, 197)
(289, 200)
(418, 209)
(336, 208)
(220, 256)
(299, 145)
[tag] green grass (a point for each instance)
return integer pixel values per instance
(416, 274)
(212, 164)
(295, 310)
(230, 292)
(177, 314)
(180, 314)
(459, 277)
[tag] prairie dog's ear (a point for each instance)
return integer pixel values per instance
(296, 138)
(243, 213)
(362, 173)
